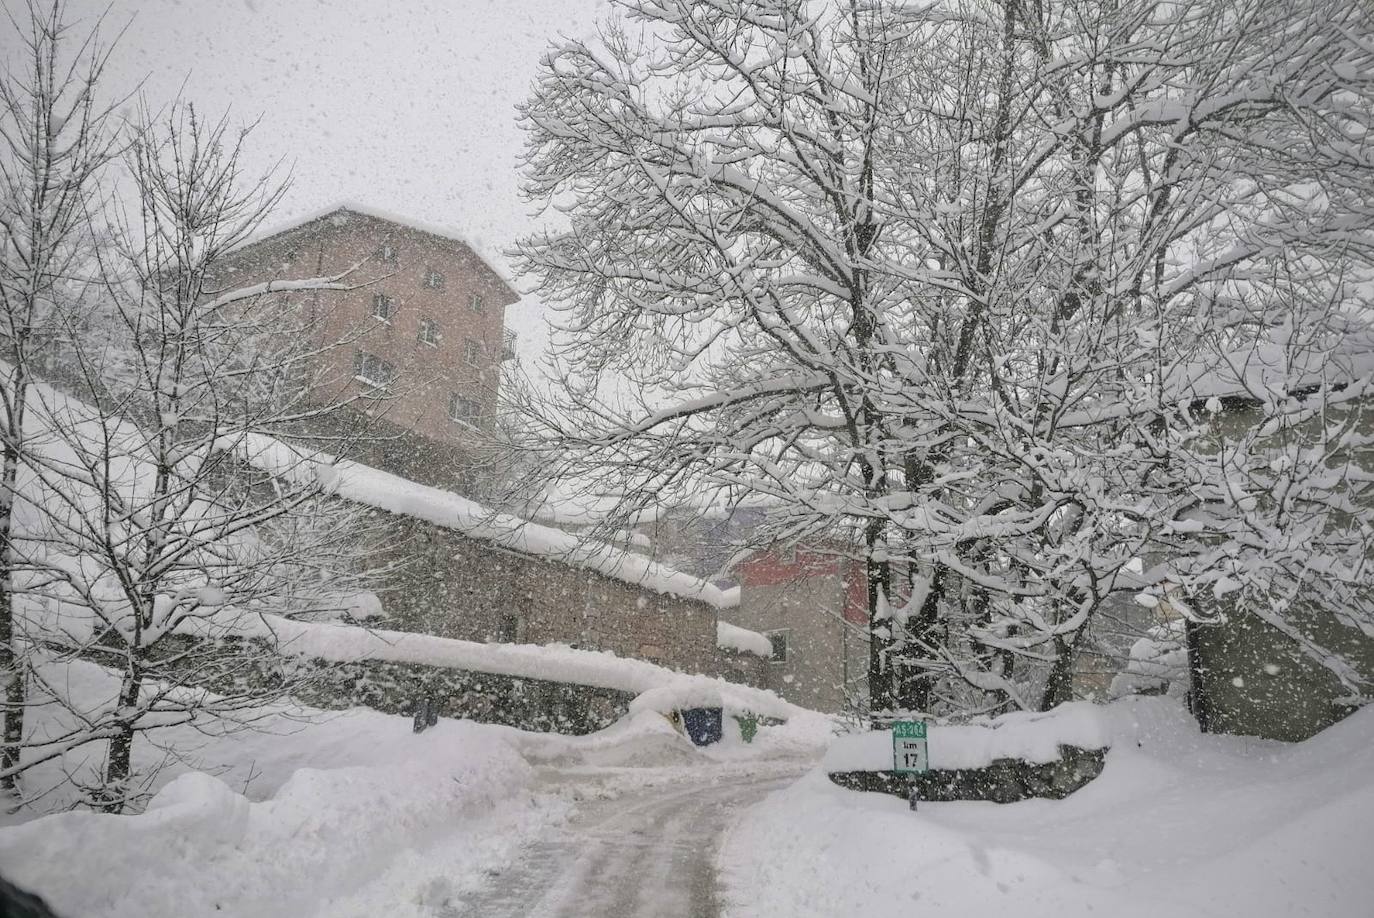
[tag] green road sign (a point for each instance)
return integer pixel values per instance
(909, 751)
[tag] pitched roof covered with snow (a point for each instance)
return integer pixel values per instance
(385, 491)
(346, 210)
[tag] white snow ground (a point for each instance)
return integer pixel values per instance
(356, 815)
(1179, 824)
(352, 814)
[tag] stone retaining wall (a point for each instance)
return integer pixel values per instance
(394, 688)
(1004, 781)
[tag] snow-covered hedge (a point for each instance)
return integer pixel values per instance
(1025, 736)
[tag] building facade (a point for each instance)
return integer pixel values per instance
(414, 347)
(812, 606)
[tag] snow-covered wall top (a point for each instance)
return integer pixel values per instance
(385, 491)
(1028, 736)
(554, 662)
(742, 640)
(1277, 365)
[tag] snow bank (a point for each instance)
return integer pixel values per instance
(1030, 737)
(333, 840)
(385, 491)
(1179, 825)
(742, 640)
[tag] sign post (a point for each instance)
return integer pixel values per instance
(910, 753)
(909, 750)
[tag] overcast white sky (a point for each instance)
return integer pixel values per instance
(404, 105)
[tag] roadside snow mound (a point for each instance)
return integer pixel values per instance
(319, 845)
(1179, 825)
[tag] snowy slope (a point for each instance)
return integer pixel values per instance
(1179, 825)
(297, 819)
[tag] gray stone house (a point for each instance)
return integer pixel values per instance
(1247, 676)
(457, 569)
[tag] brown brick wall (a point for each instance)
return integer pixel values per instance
(429, 374)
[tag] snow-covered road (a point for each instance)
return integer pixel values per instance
(651, 851)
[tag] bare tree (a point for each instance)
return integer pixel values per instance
(54, 140)
(160, 534)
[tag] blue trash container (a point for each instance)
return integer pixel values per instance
(703, 725)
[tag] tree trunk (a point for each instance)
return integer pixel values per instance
(1059, 686)
(880, 676)
(10, 669)
(1198, 701)
(118, 764)
(914, 681)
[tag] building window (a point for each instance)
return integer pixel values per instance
(476, 304)
(510, 629)
(429, 332)
(472, 352)
(433, 280)
(779, 641)
(383, 307)
(387, 254)
(373, 370)
(464, 410)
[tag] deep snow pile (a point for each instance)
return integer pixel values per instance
(1179, 824)
(348, 814)
(356, 815)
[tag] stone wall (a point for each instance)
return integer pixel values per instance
(449, 585)
(528, 704)
(1003, 781)
(394, 688)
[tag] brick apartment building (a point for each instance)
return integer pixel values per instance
(423, 326)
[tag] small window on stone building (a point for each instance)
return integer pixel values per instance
(433, 279)
(476, 304)
(429, 332)
(373, 370)
(510, 629)
(383, 307)
(472, 352)
(464, 410)
(387, 254)
(779, 641)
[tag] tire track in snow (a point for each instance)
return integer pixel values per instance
(647, 854)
